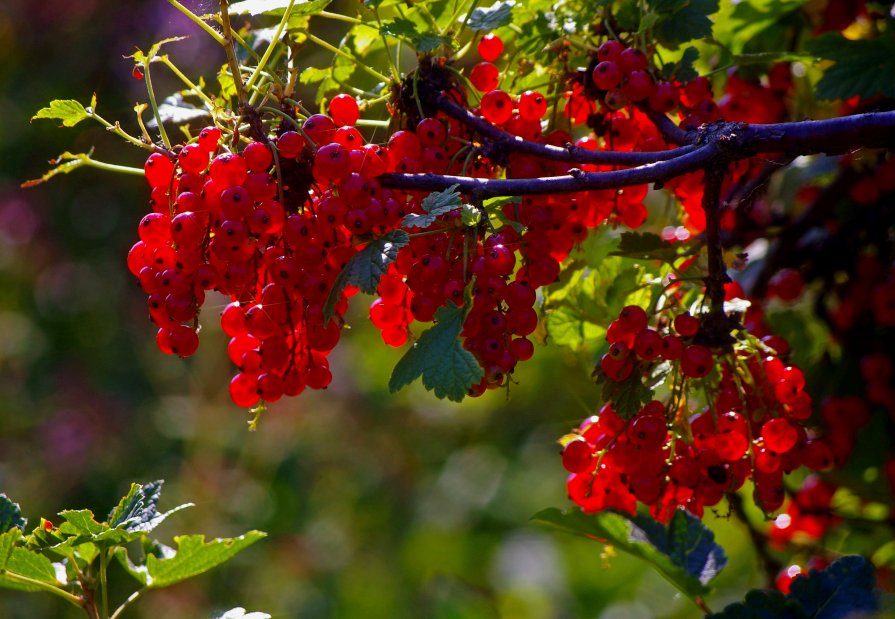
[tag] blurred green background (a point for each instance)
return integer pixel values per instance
(376, 505)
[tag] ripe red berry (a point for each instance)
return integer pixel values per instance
(344, 111)
(490, 47)
(610, 50)
(431, 132)
(686, 325)
(159, 170)
(258, 157)
(638, 86)
(485, 77)
(696, 361)
(577, 455)
(607, 75)
(779, 435)
(632, 59)
(320, 129)
(532, 105)
(497, 107)
(633, 318)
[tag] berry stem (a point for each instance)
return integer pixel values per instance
(130, 600)
(39, 584)
(189, 83)
(714, 284)
(230, 50)
(198, 21)
(152, 103)
(275, 40)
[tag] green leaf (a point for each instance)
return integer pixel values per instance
(470, 215)
(434, 205)
(366, 267)
(645, 246)
(682, 70)
(684, 21)
(81, 522)
(18, 561)
(844, 589)
(627, 396)
(498, 14)
(69, 111)
(195, 556)
(400, 27)
(862, 68)
(138, 509)
(312, 75)
(429, 42)
(446, 367)
(10, 515)
(255, 8)
(239, 613)
(683, 551)
(749, 19)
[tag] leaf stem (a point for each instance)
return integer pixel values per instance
(183, 78)
(273, 43)
(104, 581)
(130, 600)
(117, 130)
(71, 598)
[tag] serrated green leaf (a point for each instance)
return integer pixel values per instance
(567, 326)
(750, 19)
(254, 8)
(239, 613)
(69, 111)
(488, 18)
(81, 522)
(862, 68)
(366, 267)
(645, 246)
(195, 556)
(10, 515)
(138, 509)
(439, 358)
(684, 551)
(434, 205)
(684, 22)
(682, 70)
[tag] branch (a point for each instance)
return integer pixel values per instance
(571, 153)
(575, 181)
(670, 131)
(836, 135)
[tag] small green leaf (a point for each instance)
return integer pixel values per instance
(366, 267)
(10, 515)
(69, 111)
(312, 75)
(627, 396)
(434, 205)
(81, 522)
(255, 8)
(400, 27)
(863, 68)
(239, 613)
(470, 215)
(498, 14)
(446, 367)
(429, 42)
(645, 246)
(195, 556)
(683, 551)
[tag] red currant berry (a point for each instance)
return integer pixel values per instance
(490, 47)
(344, 110)
(497, 107)
(485, 77)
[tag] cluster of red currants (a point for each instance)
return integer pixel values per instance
(753, 427)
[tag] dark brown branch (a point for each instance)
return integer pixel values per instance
(835, 135)
(575, 181)
(571, 153)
